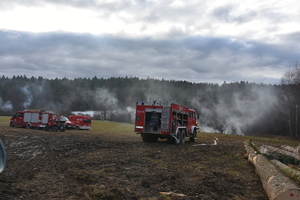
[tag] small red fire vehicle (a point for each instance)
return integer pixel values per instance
(81, 122)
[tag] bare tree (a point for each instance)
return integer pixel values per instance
(289, 98)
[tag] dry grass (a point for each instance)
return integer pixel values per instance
(4, 119)
(112, 127)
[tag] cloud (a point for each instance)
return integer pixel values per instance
(198, 41)
(292, 39)
(197, 59)
(234, 13)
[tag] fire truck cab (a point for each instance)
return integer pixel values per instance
(172, 122)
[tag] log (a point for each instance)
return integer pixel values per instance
(281, 151)
(248, 148)
(291, 149)
(290, 172)
(276, 185)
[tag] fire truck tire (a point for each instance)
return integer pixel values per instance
(11, 124)
(192, 138)
(178, 136)
(46, 128)
(182, 137)
(28, 126)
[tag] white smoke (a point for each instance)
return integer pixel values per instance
(132, 113)
(28, 95)
(6, 106)
(105, 99)
(234, 115)
(208, 129)
(108, 106)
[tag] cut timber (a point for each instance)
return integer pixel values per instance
(291, 173)
(276, 185)
(291, 149)
(281, 151)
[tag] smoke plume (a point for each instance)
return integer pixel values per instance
(237, 112)
(28, 96)
(6, 106)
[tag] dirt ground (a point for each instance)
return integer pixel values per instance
(92, 165)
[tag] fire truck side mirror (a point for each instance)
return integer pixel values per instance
(198, 116)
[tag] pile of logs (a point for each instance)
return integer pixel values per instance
(280, 181)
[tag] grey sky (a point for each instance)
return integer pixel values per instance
(197, 41)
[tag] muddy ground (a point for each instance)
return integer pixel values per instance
(92, 165)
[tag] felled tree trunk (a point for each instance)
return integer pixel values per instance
(291, 149)
(276, 185)
(291, 173)
(281, 151)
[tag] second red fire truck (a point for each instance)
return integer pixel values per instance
(81, 122)
(172, 122)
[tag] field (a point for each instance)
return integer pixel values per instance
(111, 162)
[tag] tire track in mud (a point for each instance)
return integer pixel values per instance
(57, 166)
(36, 157)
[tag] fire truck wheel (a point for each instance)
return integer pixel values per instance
(183, 135)
(28, 126)
(11, 124)
(178, 136)
(192, 138)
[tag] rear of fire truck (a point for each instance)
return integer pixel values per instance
(172, 122)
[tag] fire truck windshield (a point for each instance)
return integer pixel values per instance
(62, 119)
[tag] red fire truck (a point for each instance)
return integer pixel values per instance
(31, 118)
(173, 122)
(81, 122)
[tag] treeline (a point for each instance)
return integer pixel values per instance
(231, 108)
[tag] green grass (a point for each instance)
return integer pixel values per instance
(97, 125)
(4, 119)
(112, 127)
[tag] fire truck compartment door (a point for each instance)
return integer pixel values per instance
(165, 119)
(34, 117)
(45, 118)
(27, 117)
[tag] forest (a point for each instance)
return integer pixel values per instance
(239, 108)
